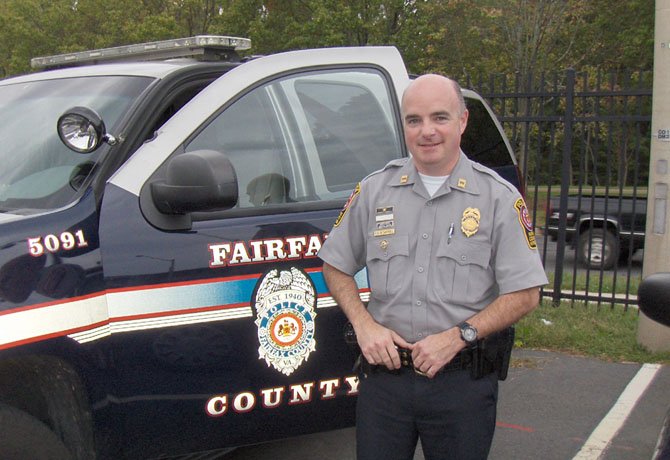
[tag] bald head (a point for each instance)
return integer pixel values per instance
(434, 118)
(434, 82)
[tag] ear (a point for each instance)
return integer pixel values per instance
(464, 120)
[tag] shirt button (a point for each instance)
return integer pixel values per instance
(463, 257)
(424, 236)
(419, 334)
(418, 303)
(429, 203)
(420, 269)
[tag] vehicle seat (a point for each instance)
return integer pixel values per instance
(268, 189)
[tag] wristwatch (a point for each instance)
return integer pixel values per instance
(468, 333)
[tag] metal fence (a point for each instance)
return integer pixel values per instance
(582, 141)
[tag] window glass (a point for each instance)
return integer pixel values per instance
(306, 137)
(482, 141)
(350, 130)
(248, 133)
(38, 172)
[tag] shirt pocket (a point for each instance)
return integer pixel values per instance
(464, 276)
(387, 260)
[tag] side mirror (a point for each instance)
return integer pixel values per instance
(653, 296)
(81, 129)
(203, 180)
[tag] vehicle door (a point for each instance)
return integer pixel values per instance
(220, 328)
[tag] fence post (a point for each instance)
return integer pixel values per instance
(565, 183)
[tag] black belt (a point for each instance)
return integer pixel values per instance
(462, 361)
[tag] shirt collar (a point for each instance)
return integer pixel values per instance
(462, 178)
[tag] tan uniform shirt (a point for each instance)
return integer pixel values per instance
(433, 262)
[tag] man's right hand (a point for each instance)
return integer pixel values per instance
(379, 344)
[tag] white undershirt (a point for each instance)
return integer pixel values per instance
(432, 183)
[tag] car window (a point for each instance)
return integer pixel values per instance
(306, 137)
(38, 172)
(482, 140)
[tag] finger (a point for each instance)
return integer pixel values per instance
(369, 357)
(394, 357)
(401, 342)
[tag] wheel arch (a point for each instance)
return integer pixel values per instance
(598, 222)
(51, 390)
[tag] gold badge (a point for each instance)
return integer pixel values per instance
(403, 179)
(384, 244)
(470, 221)
(461, 183)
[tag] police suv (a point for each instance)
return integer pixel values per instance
(161, 210)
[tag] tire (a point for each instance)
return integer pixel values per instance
(598, 248)
(22, 437)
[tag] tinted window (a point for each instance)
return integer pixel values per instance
(307, 137)
(482, 141)
(38, 172)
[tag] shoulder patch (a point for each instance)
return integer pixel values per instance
(353, 195)
(526, 224)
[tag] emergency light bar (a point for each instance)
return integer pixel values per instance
(207, 47)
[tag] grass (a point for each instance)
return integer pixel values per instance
(605, 333)
(585, 329)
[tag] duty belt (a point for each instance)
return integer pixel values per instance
(462, 361)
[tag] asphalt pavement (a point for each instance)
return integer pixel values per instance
(552, 406)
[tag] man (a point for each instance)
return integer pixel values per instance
(451, 259)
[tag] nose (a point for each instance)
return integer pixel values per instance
(428, 130)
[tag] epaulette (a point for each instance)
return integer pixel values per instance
(497, 177)
(397, 163)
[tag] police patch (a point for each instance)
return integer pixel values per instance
(526, 223)
(355, 193)
(284, 303)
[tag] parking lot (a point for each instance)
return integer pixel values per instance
(552, 406)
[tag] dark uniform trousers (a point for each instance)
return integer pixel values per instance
(453, 415)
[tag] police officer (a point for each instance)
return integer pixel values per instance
(451, 258)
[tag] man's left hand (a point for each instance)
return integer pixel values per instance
(435, 351)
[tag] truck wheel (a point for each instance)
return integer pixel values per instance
(22, 436)
(598, 248)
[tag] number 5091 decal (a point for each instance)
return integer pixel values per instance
(54, 243)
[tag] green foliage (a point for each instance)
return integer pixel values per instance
(455, 37)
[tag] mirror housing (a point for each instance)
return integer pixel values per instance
(202, 180)
(82, 130)
(653, 297)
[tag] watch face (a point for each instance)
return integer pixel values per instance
(469, 334)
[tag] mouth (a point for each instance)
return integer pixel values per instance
(429, 146)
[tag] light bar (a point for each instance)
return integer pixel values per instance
(200, 45)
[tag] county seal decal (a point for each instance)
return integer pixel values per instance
(284, 303)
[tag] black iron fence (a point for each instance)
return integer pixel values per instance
(582, 142)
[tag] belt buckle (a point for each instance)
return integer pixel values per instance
(417, 371)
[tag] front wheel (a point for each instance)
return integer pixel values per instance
(22, 436)
(598, 248)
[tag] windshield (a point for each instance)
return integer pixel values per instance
(37, 171)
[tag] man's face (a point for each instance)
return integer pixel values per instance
(433, 124)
